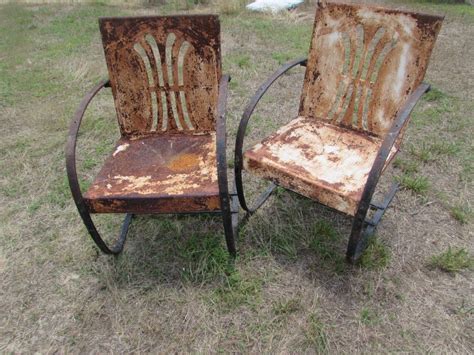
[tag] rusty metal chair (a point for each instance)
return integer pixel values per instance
(363, 77)
(170, 98)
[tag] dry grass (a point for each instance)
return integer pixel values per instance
(172, 290)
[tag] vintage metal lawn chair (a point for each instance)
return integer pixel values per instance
(170, 97)
(363, 78)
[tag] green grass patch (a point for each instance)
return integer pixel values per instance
(241, 60)
(376, 256)
(238, 291)
(281, 58)
(453, 260)
(422, 152)
(448, 7)
(427, 152)
(369, 316)
(405, 165)
(461, 213)
(315, 334)
(287, 307)
(294, 37)
(324, 243)
(418, 184)
(204, 257)
(434, 95)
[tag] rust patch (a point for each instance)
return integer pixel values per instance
(377, 58)
(184, 162)
(177, 168)
(317, 159)
(164, 72)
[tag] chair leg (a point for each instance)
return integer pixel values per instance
(361, 232)
(117, 247)
(229, 211)
(260, 200)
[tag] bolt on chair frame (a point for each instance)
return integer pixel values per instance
(228, 200)
(362, 227)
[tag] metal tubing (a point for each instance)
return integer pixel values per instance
(358, 237)
(74, 182)
(222, 165)
(241, 134)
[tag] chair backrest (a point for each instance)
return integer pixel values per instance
(164, 72)
(363, 63)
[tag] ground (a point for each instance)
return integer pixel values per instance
(172, 289)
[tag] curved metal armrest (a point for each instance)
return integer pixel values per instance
(384, 150)
(255, 100)
(246, 116)
(71, 142)
(221, 138)
(221, 145)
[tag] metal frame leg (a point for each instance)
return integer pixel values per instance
(230, 219)
(361, 233)
(119, 243)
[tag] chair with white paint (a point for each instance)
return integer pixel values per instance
(363, 77)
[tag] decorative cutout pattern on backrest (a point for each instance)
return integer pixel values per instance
(363, 63)
(164, 72)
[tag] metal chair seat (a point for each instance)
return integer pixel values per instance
(158, 174)
(327, 163)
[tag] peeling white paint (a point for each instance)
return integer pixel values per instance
(121, 148)
(316, 158)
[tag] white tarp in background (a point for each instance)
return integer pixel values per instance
(273, 5)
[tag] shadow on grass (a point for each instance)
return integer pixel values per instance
(296, 230)
(291, 230)
(169, 249)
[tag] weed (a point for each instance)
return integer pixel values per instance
(445, 148)
(453, 260)
(324, 243)
(205, 257)
(233, 84)
(281, 58)
(422, 152)
(230, 7)
(407, 166)
(417, 184)
(287, 307)
(375, 256)
(429, 152)
(461, 213)
(279, 192)
(434, 95)
(238, 291)
(315, 334)
(369, 316)
(242, 60)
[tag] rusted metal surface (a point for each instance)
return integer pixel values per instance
(159, 173)
(363, 64)
(164, 72)
(316, 159)
(362, 81)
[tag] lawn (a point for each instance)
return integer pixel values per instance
(173, 288)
